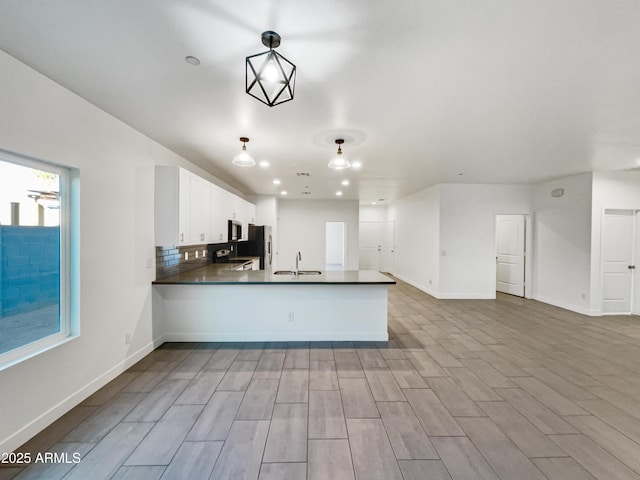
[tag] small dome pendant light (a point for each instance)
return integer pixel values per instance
(339, 162)
(269, 76)
(243, 159)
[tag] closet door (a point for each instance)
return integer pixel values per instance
(617, 261)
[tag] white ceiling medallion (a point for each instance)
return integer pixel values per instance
(339, 162)
(243, 159)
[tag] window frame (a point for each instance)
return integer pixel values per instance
(69, 260)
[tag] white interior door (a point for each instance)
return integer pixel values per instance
(370, 245)
(617, 258)
(388, 246)
(510, 254)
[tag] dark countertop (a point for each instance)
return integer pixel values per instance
(220, 274)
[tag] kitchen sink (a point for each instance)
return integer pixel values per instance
(301, 272)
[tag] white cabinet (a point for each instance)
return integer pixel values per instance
(221, 213)
(237, 206)
(200, 211)
(252, 213)
(172, 206)
(246, 212)
(190, 210)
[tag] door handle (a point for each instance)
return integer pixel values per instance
(631, 267)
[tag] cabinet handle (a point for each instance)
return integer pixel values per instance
(182, 237)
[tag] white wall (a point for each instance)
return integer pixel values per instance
(445, 236)
(467, 235)
(615, 190)
(334, 243)
(373, 213)
(562, 243)
(116, 163)
(301, 227)
(417, 224)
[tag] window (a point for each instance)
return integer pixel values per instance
(35, 266)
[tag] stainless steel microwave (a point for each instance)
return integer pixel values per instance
(235, 230)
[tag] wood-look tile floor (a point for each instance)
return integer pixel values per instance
(473, 389)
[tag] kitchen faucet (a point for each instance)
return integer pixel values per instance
(298, 259)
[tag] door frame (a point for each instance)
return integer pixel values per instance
(528, 250)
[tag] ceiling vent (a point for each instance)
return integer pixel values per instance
(303, 174)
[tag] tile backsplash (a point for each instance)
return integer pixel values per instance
(172, 260)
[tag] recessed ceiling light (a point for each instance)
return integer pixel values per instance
(373, 203)
(339, 193)
(276, 181)
(356, 165)
(345, 182)
(283, 192)
(264, 164)
(192, 61)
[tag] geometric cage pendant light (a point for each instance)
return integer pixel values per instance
(243, 159)
(269, 76)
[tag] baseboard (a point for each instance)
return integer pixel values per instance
(278, 337)
(27, 432)
(467, 296)
(566, 306)
(447, 296)
(419, 286)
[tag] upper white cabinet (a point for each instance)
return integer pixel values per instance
(172, 206)
(221, 211)
(244, 212)
(251, 217)
(200, 211)
(190, 210)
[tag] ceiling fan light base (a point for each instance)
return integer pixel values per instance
(271, 39)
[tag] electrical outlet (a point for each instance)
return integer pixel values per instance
(149, 263)
(196, 253)
(291, 316)
(127, 338)
(186, 255)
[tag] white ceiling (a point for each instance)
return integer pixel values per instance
(492, 91)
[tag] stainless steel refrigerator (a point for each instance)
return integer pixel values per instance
(258, 244)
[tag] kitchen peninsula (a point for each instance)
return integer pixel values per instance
(211, 304)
